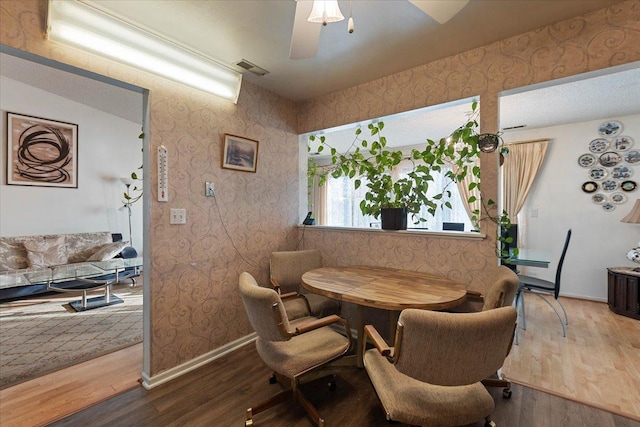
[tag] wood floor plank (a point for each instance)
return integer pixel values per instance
(598, 362)
(219, 393)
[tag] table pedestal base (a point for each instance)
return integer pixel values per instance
(96, 302)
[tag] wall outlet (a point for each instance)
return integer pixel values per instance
(534, 213)
(178, 216)
(208, 189)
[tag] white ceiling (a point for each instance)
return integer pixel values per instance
(390, 35)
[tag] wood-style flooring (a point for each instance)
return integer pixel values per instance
(597, 362)
(218, 394)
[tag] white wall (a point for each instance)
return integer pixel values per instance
(108, 149)
(599, 239)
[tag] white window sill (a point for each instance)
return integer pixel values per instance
(441, 234)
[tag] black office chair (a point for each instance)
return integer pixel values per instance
(453, 226)
(542, 287)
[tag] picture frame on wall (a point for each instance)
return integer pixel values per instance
(239, 153)
(41, 152)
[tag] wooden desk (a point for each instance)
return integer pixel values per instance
(384, 288)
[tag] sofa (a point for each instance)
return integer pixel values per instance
(27, 256)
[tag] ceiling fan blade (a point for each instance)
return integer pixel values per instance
(440, 10)
(305, 35)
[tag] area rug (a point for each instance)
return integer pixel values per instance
(43, 337)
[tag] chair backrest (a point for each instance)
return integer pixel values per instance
(502, 291)
(260, 304)
(453, 226)
(453, 348)
(560, 262)
(287, 267)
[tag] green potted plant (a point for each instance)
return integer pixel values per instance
(371, 162)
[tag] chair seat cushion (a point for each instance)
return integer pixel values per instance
(535, 283)
(410, 401)
(302, 352)
(322, 306)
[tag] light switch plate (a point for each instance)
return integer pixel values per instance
(208, 189)
(178, 216)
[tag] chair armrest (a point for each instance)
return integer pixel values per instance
(290, 295)
(274, 284)
(474, 296)
(377, 340)
(318, 323)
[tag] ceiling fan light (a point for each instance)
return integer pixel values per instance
(325, 11)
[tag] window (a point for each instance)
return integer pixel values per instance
(343, 204)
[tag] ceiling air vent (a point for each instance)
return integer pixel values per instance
(252, 68)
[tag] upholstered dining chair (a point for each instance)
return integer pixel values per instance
(432, 376)
(291, 349)
(286, 270)
(542, 287)
(498, 293)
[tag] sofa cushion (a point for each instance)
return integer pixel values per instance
(43, 252)
(108, 251)
(81, 246)
(13, 255)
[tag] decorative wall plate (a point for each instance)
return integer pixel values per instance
(598, 198)
(610, 159)
(587, 160)
(622, 143)
(618, 198)
(598, 173)
(632, 157)
(590, 187)
(609, 185)
(599, 145)
(609, 207)
(611, 128)
(621, 172)
(628, 186)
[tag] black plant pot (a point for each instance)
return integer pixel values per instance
(394, 218)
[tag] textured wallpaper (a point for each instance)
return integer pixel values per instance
(195, 307)
(601, 39)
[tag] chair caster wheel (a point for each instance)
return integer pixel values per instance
(273, 379)
(506, 393)
(332, 383)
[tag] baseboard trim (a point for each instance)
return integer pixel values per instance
(149, 382)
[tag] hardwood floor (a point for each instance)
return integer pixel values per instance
(48, 398)
(598, 362)
(218, 394)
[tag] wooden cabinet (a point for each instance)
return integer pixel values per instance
(623, 293)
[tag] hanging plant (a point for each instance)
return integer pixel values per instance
(371, 162)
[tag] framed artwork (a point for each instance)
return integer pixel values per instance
(239, 153)
(41, 152)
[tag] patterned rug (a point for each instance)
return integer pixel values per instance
(40, 337)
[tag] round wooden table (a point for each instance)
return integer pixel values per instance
(384, 288)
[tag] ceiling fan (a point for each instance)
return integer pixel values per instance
(311, 15)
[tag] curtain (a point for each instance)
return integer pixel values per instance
(318, 199)
(463, 188)
(520, 170)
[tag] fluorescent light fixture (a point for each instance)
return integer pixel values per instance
(86, 27)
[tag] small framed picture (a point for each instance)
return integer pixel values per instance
(41, 152)
(239, 153)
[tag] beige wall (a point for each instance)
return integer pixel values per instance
(195, 307)
(599, 40)
(194, 268)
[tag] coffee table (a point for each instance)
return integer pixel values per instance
(90, 276)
